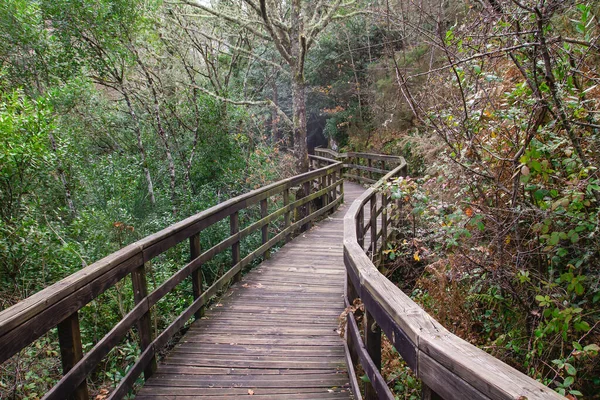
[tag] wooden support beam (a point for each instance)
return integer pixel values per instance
(287, 215)
(195, 251)
(234, 224)
(373, 206)
(384, 224)
(360, 223)
(373, 344)
(71, 351)
(140, 291)
(264, 211)
(306, 208)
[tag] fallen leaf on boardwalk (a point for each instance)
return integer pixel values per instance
(219, 305)
(250, 392)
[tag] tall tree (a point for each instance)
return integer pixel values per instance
(292, 27)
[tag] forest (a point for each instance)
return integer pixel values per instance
(122, 117)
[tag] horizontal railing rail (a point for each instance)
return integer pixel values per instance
(59, 304)
(362, 167)
(448, 367)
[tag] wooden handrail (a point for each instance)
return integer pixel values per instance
(449, 367)
(59, 304)
(362, 167)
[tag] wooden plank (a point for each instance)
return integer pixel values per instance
(71, 351)
(377, 382)
(372, 340)
(140, 291)
(368, 169)
(46, 298)
(440, 380)
(234, 224)
(265, 229)
(88, 363)
(123, 262)
(359, 178)
(197, 280)
(47, 318)
(373, 156)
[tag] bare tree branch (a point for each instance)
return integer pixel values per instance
(268, 103)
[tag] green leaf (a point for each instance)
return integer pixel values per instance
(568, 381)
(570, 369)
(592, 347)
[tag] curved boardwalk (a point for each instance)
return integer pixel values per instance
(274, 334)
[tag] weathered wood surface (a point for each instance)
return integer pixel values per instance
(274, 334)
(447, 365)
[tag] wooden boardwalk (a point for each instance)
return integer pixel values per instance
(274, 334)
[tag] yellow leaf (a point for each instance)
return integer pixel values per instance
(416, 256)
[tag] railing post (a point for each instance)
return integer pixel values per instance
(234, 224)
(324, 184)
(71, 351)
(286, 216)
(334, 178)
(140, 291)
(373, 345)
(306, 207)
(351, 295)
(373, 204)
(341, 178)
(264, 211)
(360, 228)
(384, 223)
(195, 251)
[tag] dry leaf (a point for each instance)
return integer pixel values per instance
(250, 392)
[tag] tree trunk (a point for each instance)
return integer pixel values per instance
(275, 136)
(61, 174)
(299, 119)
(140, 145)
(161, 131)
(298, 51)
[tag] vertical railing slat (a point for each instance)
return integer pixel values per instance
(71, 351)
(384, 223)
(140, 291)
(373, 345)
(195, 251)
(360, 227)
(264, 211)
(287, 215)
(373, 206)
(234, 224)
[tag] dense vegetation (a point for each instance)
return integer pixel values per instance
(120, 117)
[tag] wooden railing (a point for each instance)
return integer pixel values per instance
(59, 304)
(447, 366)
(362, 167)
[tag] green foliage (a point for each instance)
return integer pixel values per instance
(508, 227)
